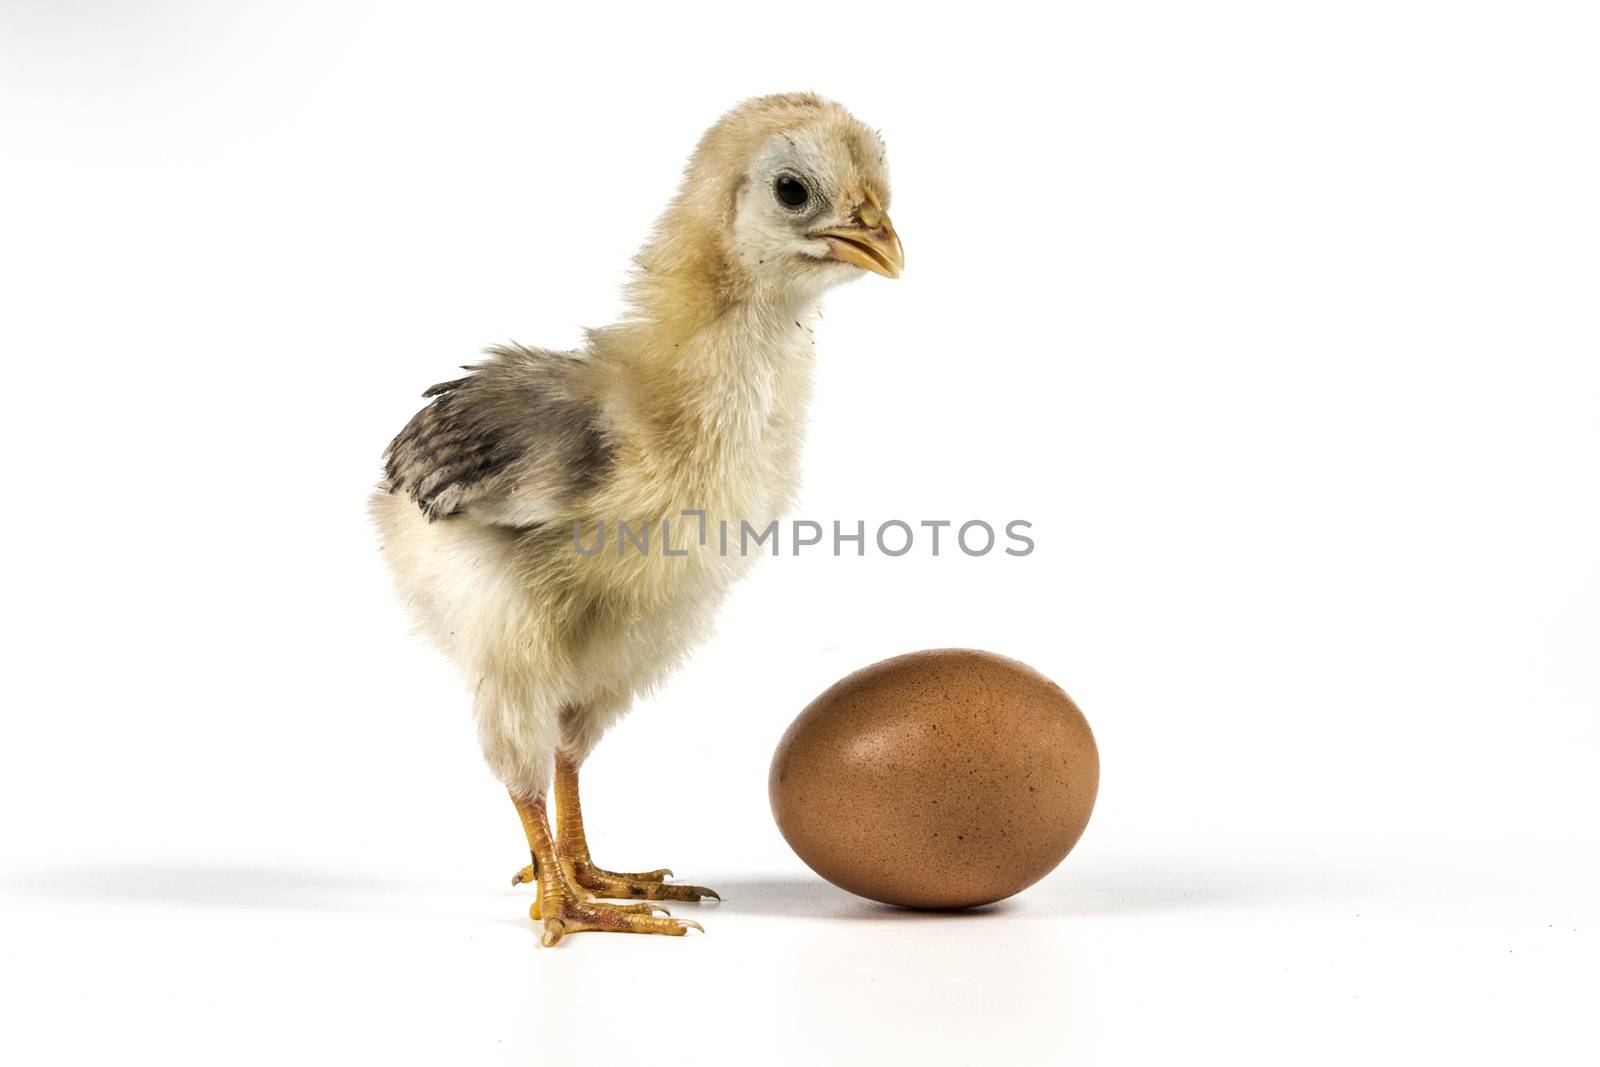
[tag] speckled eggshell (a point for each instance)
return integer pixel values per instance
(939, 779)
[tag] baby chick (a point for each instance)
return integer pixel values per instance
(694, 402)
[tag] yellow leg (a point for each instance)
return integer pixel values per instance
(561, 907)
(572, 849)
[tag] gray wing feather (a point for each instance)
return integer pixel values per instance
(507, 443)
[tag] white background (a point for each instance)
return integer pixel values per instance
(1278, 321)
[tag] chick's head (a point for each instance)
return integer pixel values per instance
(795, 192)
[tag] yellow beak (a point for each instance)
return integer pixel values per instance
(870, 244)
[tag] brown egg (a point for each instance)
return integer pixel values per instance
(939, 779)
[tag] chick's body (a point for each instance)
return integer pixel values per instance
(557, 642)
(694, 403)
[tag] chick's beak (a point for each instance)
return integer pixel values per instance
(870, 243)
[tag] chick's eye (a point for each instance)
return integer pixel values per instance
(791, 191)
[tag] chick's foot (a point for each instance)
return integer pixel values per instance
(564, 908)
(570, 866)
(650, 885)
(573, 848)
(570, 914)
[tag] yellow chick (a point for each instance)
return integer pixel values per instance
(687, 413)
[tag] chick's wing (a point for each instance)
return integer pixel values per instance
(511, 443)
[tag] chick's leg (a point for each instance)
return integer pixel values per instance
(573, 849)
(562, 908)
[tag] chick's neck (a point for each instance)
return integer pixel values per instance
(702, 373)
